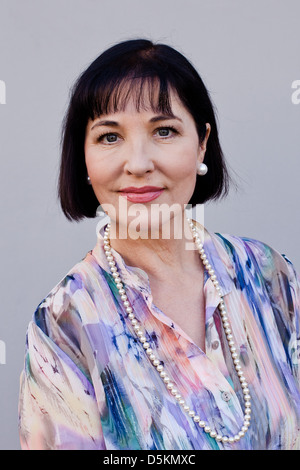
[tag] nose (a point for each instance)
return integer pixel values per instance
(138, 158)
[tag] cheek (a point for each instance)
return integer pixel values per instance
(182, 165)
(99, 171)
(90, 158)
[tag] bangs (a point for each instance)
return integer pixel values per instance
(146, 93)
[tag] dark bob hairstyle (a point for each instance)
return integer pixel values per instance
(100, 90)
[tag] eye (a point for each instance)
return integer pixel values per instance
(166, 131)
(109, 138)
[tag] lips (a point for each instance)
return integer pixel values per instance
(143, 189)
(143, 194)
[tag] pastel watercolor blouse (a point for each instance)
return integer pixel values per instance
(88, 383)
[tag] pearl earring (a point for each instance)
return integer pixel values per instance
(88, 180)
(100, 211)
(201, 169)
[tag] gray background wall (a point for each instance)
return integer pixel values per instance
(247, 54)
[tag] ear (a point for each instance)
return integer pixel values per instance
(202, 146)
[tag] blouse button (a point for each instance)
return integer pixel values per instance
(226, 396)
(215, 344)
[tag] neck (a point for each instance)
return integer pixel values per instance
(160, 257)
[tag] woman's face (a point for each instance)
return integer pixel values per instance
(133, 148)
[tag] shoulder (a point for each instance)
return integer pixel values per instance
(61, 317)
(262, 267)
(71, 303)
(254, 253)
(75, 287)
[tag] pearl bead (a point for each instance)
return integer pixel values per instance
(156, 363)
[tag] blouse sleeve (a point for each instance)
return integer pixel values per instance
(57, 404)
(282, 284)
(294, 311)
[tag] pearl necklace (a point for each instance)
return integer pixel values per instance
(171, 387)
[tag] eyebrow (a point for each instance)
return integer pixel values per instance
(161, 117)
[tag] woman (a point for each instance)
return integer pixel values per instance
(147, 343)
